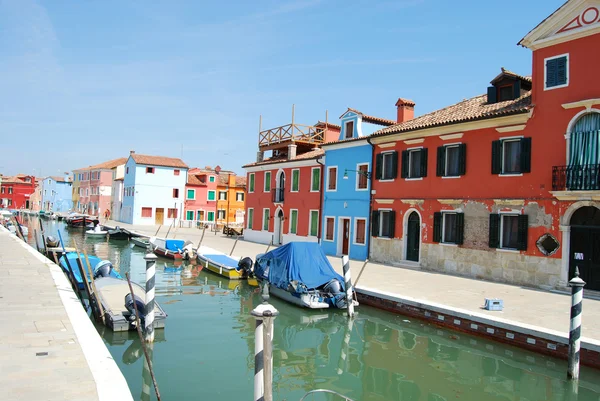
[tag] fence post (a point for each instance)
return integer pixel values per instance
(576, 284)
(149, 301)
(263, 348)
(348, 283)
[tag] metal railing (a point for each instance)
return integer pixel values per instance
(343, 397)
(576, 178)
(278, 195)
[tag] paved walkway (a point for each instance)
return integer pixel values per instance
(534, 310)
(49, 348)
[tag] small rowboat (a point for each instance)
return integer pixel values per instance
(219, 263)
(140, 242)
(98, 231)
(176, 249)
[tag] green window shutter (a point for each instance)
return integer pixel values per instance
(316, 178)
(295, 180)
(423, 162)
(392, 223)
(496, 157)
(460, 228)
(462, 159)
(314, 223)
(517, 89)
(394, 165)
(375, 223)
(551, 70)
(441, 163)
(523, 225)
(268, 181)
(494, 235)
(266, 220)
(190, 194)
(250, 218)
(378, 165)
(251, 182)
(404, 171)
(561, 71)
(526, 155)
(211, 216)
(437, 226)
(189, 215)
(492, 94)
(294, 222)
(211, 195)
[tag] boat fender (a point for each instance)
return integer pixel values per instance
(103, 269)
(139, 303)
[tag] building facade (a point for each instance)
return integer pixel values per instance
(57, 194)
(283, 201)
(153, 190)
(116, 194)
(35, 200)
(16, 191)
(201, 195)
(95, 187)
(230, 198)
(503, 186)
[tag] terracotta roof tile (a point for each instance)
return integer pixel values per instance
(60, 179)
(371, 119)
(158, 161)
(192, 179)
(405, 102)
(313, 154)
(329, 125)
(105, 165)
(504, 71)
(15, 179)
(240, 181)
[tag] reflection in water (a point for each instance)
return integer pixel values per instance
(379, 356)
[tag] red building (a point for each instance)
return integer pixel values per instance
(504, 186)
(284, 200)
(201, 195)
(16, 191)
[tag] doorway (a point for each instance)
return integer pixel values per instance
(413, 237)
(278, 228)
(585, 246)
(345, 236)
(160, 216)
(26, 204)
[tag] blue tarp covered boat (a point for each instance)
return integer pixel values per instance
(94, 263)
(300, 273)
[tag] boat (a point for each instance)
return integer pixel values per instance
(300, 273)
(140, 242)
(118, 233)
(176, 249)
(98, 231)
(81, 220)
(97, 265)
(220, 263)
(13, 229)
(118, 304)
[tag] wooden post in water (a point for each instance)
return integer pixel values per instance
(18, 232)
(234, 244)
(37, 244)
(43, 236)
(96, 296)
(70, 270)
(270, 243)
(156, 233)
(86, 285)
(201, 238)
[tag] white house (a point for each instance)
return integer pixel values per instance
(116, 196)
(153, 190)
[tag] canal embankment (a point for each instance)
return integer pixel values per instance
(49, 347)
(531, 319)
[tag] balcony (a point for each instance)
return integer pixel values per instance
(277, 195)
(302, 135)
(576, 178)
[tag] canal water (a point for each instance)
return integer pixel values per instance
(206, 351)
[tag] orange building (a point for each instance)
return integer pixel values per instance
(231, 198)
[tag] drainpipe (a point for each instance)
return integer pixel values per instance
(321, 194)
(370, 195)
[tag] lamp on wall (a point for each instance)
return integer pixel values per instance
(365, 173)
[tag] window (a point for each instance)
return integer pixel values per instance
(383, 223)
(386, 166)
(146, 212)
(349, 130)
(511, 156)
(267, 181)
(239, 196)
(211, 178)
(331, 178)
(508, 231)
(221, 214)
(414, 163)
(176, 172)
(10, 202)
(191, 194)
(126, 170)
(505, 92)
(250, 218)
(211, 195)
(149, 170)
(265, 221)
(314, 223)
(360, 231)
(315, 185)
(222, 195)
(448, 227)
(293, 221)
(210, 216)
(172, 213)
(363, 181)
(295, 180)
(189, 215)
(556, 72)
(2, 190)
(329, 228)
(175, 192)
(451, 160)
(251, 180)
(10, 190)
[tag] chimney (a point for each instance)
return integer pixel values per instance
(67, 176)
(406, 110)
(260, 156)
(291, 151)
(131, 152)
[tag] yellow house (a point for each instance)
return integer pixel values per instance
(231, 198)
(75, 194)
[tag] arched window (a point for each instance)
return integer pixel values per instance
(584, 148)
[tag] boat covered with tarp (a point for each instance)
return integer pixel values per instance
(300, 273)
(70, 263)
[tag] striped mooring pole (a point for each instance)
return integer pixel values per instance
(149, 301)
(264, 313)
(146, 377)
(345, 347)
(576, 284)
(348, 283)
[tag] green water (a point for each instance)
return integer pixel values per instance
(206, 351)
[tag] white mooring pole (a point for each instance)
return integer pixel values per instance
(576, 284)
(265, 314)
(149, 301)
(348, 283)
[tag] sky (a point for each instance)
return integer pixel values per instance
(86, 81)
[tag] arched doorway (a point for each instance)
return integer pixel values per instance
(278, 227)
(585, 246)
(413, 236)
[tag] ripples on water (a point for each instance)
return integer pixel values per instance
(207, 348)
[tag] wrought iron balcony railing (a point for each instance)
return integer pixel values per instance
(277, 195)
(576, 178)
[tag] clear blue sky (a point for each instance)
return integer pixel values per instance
(82, 82)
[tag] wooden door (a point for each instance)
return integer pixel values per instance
(201, 215)
(160, 216)
(413, 238)
(346, 236)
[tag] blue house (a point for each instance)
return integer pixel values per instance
(57, 194)
(347, 187)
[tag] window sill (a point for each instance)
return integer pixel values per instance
(507, 250)
(448, 244)
(511, 175)
(357, 244)
(414, 179)
(328, 240)
(450, 177)
(386, 180)
(546, 88)
(384, 238)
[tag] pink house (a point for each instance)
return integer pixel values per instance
(95, 187)
(201, 195)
